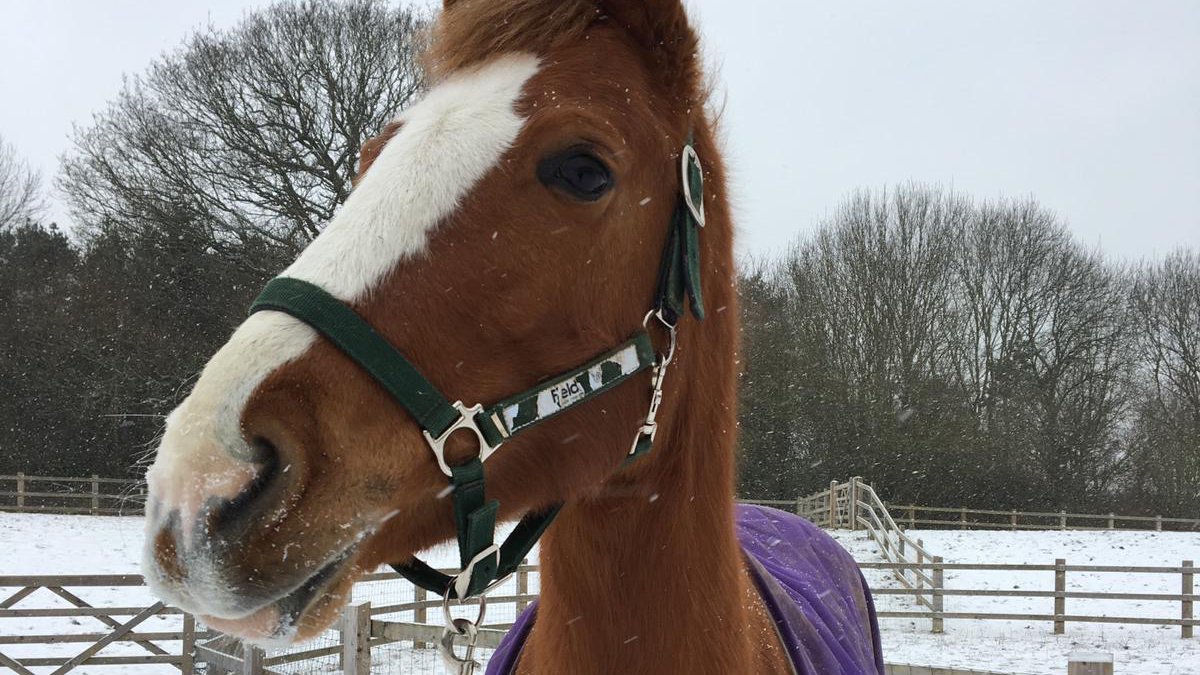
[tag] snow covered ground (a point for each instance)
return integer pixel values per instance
(1031, 647)
(45, 544)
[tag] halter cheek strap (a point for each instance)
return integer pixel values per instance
(483, 562)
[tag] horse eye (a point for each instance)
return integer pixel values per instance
(577, 172)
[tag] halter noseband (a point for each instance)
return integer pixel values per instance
(485, 564)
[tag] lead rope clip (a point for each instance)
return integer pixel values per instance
(464, 629)
(658, 378)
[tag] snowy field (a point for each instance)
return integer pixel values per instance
(1031, 647)
(44, 544)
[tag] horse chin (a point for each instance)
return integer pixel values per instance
(297, 617)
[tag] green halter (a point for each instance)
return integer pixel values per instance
(485, 564)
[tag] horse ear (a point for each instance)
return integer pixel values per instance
(371, 149)
(662, 28)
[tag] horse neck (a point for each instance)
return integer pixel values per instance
(647, 576)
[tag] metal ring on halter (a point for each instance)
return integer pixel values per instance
(448, 602)
(672, 331)
(689, 159)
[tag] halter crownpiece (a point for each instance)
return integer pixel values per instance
(484, 564)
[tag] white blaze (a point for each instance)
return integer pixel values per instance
(446, 144)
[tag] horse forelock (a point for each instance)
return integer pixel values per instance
(468, 33)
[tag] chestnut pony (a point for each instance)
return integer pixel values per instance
(507, 229)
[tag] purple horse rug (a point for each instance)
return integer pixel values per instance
(810, 584)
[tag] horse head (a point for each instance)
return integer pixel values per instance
(504, 230)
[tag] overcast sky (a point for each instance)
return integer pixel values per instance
(1091, 106)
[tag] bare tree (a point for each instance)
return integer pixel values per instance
(1043, 355)
(20, 188)
(250, 134)
(920, 332)
(1165, 443)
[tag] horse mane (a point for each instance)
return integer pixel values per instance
(472, 31)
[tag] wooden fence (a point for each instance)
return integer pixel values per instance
(186, 645)
(982, 519)
(1056, 600)
(117, 625)
(854, 505)
(75, 496)
(125, 496)
(815, 508)
(363, 627)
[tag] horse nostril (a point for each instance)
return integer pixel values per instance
(265, 452)
(235, 513)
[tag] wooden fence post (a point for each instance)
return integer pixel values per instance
(1112, 521)
(1082, 663)
(1013, 520)
(920, 562)
(187, 650)
(939, 582)
(356, 640)
(1189, 588)
(252, 660)
(1060, 600)
(1158, 523)
(420, 614)
(833, 505)
(800, 507)
(95, 494)
(962, 518)
(1062, 520)
(912, 517)
(20, 491)
(522, 585)
(853, 505)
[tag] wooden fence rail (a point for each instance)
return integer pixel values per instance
(979, 519)
(66, 495)
(95, 495)
(834, 504)
(106, 626)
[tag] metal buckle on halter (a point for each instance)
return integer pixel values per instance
(689, 158)
(462, 580)
(466, 420)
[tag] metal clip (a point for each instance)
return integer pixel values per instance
(658, 378)
(455, 629)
